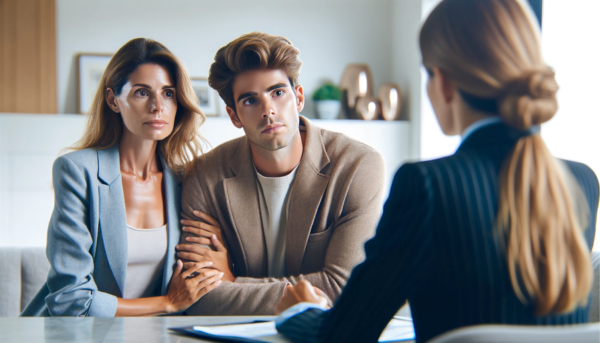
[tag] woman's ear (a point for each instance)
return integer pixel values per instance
(442, 95)
(111, 100)
(444, 85)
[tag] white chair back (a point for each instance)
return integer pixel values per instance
(595, 300)
(23, 271)
(521, 334)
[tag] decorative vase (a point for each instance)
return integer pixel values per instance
(390, 97)
(328, 109)
(367, 108)
(357, 82)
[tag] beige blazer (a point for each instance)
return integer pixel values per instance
(335, 204)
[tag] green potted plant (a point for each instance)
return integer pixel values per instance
(327, 99)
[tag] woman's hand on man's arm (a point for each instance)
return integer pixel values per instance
(219, 258)
(207, 233)
(186, 288)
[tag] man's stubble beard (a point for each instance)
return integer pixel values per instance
(272, 145)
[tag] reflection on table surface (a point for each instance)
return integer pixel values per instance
(145, 329)
(105, 330)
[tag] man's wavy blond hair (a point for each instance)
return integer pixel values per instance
(252, 51)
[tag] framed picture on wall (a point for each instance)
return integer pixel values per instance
(90, 68)
(206, 95)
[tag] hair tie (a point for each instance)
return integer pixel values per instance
(533, 130)
(517, 134)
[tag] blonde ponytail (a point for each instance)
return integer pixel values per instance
(546, 250)
(529, 99)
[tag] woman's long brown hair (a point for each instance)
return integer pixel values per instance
(491, 49)
(105, 127)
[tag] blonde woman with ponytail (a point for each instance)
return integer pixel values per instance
(501, 231)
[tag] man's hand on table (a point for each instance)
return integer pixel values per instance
(303, 291)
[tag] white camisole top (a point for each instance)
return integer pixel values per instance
(147, 249)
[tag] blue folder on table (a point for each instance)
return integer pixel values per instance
(253, 332)
(265, 332)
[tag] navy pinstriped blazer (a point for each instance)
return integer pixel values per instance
(436, 247)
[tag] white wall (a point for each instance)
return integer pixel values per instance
(330, 34)
(570, 45)
(29, 144)
(405, 65)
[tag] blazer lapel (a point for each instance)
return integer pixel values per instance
(244, 211)
(305, 197)
(113, 219)
(172, 184)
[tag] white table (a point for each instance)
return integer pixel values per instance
(109, 330)
(131, 329)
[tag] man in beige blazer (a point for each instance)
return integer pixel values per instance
(293, 201)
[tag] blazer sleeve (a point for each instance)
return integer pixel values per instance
(193, 199)
(362, 208)
(398, 262)
(72, 290)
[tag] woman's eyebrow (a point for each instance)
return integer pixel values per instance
(147, 86)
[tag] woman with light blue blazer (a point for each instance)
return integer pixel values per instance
(112, 234)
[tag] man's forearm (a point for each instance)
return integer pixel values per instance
(239, 299)
(329, 284)
(259, 296)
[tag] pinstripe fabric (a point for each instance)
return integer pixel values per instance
(436, 247)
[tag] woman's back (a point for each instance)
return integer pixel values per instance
(468, 282)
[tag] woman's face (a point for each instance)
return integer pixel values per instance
(147, 103)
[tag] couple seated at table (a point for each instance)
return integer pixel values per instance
(287, 201)
(499, 232)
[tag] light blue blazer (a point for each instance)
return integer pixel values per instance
(87, 236)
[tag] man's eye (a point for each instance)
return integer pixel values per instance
(279, 93)
(250, 101)
(141, 92)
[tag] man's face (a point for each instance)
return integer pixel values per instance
(267, 107)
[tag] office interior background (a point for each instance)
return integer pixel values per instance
(329, 33)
